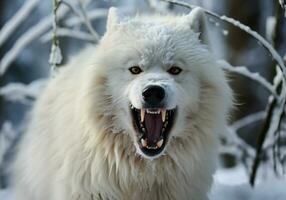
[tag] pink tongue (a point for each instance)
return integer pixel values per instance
(153, 124)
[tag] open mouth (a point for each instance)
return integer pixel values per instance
(152, 126)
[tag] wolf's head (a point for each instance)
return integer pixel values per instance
(156, 69)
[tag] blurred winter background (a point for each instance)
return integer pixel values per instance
(253, 154)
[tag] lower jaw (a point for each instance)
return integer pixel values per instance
(152, 153)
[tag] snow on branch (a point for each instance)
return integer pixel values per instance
(249, 119)
(245, 72)
(19, 92)
(65, 32)
(56, 54)
(17, 19)
(92, 15)
(83, 17)
(283, 6)
(30, 35)
(45, 24)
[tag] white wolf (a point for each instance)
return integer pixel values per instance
(136, 117)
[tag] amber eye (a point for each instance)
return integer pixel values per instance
(135, 70)
(174, 70)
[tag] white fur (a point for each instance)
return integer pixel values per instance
(81, 144)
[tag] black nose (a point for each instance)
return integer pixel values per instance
(153, 95)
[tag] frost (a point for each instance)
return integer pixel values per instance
(270, 25)
(18, 92)
(55, 56)
(283, 5)
(265, 44)
(242, 70)
(17, 19)
(225, 32)
(30, 35)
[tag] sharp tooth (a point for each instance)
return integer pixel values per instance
(159, 144)
(144, 142)
(163, 111)
(152, 147)
(142, 114)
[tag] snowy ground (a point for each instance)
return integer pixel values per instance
(232, 185)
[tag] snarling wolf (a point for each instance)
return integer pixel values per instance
(135, 117)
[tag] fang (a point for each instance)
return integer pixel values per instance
(160, 143)
(142, 114)
(144, 142)
(163, 111)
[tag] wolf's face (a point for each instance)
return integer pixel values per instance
(154, 77)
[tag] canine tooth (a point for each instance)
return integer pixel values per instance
(159, 144)
(142, 114)
(163, 114)
(144, 142)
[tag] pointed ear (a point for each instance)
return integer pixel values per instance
(112, 18)
(197, 22)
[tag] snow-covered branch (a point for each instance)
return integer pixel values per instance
(65, 32)
(22, 93)
(92, 15)
(86, 21)
(249, 119)
(55, 54)
(17, 19)
(283, 6)
(245, 72)
(32, 34)
(81, 14)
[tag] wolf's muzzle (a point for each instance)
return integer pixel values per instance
(153, 96)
